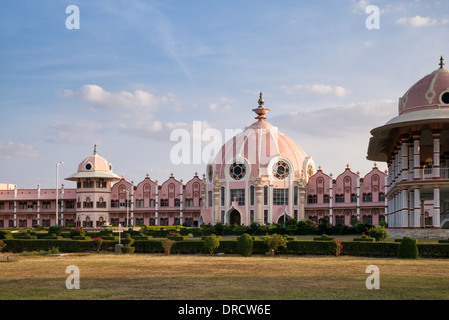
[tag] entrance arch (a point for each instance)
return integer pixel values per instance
(233, 216)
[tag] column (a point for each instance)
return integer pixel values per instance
(62, 206)
(436, 154)
(416, 156)
(331, 198)
(259, 199)
(132, 204)
(417, 211)
(181, 202)
(358, 197)
(156, 205)
(38, 205)
(404, 209)
(436, 207)
(216, 202)
(404, 159)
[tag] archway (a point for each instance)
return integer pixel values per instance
(234, 217)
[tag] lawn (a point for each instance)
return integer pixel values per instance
(202, 277)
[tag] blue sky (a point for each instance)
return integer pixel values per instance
(137, 70)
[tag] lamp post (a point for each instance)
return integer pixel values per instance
(127, 208)
(57, 190)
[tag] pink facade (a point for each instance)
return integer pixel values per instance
(260, 175)
(347, 197)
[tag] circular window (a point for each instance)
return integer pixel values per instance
(281, 170)
(88, 166)
(237, 171)
(210, 172)
(445, 98)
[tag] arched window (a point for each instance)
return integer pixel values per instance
(251, 195)
(222, 196)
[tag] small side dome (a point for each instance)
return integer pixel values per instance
(94, 166)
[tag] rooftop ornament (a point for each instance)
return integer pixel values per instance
(260, 110)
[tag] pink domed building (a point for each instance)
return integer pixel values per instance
(259, 175)
(415, 145)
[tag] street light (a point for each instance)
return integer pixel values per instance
(57, 190)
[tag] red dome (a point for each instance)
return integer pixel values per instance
(431, 92)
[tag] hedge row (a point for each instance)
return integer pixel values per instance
(351, 248)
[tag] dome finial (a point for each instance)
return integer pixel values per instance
(441, 62)
(95, 149)
(261, 101)
(261, 111)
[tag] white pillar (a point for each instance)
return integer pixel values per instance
(436, 207)
(416, 157)
(156, 223)
(404, 160)
(417, 212)
(404, 209)
(436, 155)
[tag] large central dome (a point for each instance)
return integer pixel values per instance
(261, 151)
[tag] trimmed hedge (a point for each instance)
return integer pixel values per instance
(350, 248)
(370, 249)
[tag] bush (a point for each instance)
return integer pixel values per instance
(2, 245)
(129, 250)
(77, 232)
(408, 249)
(324, 237)
(167, 246)
(211, 243)
(245, 244)
(378, 233)
(6, 234)
(55, 230)
(364, 238)
(275, 242)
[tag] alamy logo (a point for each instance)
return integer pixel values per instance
(373, 281)
(72, 21)
(373, 20)
(73, 280)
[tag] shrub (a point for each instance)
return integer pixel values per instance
(245, 244)
(6, 234)
(77, 232)
(211, 243)
(254, 228)
(97, 243)
(2, 245)
(55, 230)
(129, 250)
(408, 249)
(323, 237)
(364, 238)
(378, 233)
(275, 242)
(167, 246)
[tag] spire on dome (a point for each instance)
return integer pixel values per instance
(95, 149)
(260, 110)
(441, 62)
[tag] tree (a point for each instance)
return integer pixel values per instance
(211, 243)
(378, 233)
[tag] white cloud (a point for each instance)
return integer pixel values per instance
(10, 150)
(338, 91)
(100, 98)
(419, 21)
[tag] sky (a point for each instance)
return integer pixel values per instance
(135, 71)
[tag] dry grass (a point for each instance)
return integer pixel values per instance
(197, 277)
